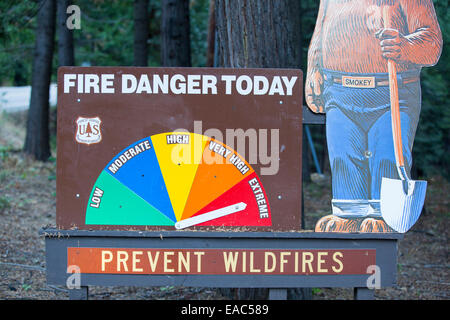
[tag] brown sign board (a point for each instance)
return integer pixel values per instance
(179, 148)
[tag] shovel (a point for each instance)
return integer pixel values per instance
(401, 201)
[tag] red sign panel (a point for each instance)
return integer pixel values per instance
(221, 261)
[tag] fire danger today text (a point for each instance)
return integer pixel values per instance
(179, 84)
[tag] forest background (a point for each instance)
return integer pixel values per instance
(105, 38)
(134, 33)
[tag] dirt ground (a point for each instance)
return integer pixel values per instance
(28, 199)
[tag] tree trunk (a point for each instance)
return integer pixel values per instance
(20, 74)
(210, 52)
(175, 31)
(141, 30)
(306, 172)
(259, 34)
(37, 137)
(66, 55)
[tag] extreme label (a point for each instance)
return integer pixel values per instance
(260, 198)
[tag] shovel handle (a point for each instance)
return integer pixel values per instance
(395, 107)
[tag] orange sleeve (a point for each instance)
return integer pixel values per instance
(424, 45)
(315, 47)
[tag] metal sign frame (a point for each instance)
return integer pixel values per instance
(58, 241)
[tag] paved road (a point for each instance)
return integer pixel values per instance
(13, 99)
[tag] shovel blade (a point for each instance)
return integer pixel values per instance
(401, 204)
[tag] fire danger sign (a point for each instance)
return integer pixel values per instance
(179, 148)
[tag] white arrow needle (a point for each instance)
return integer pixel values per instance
(210, 215)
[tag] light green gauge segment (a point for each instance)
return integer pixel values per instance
(112, 203)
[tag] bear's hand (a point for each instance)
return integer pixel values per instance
(393, 44)
(313, 91)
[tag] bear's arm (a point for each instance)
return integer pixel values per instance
(425, 37)
(314, 78)
(315, 47)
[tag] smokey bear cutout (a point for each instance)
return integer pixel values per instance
(364, 65)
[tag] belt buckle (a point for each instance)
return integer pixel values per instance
(358, 82)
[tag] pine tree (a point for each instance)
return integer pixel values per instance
(37, 141)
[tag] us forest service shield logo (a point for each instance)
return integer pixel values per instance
(88, 130)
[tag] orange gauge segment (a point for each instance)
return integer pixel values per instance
(220, 170)
(250, 192)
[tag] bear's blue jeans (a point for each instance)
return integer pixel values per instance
(360, 142)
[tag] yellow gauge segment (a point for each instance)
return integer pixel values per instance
(179, 155)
